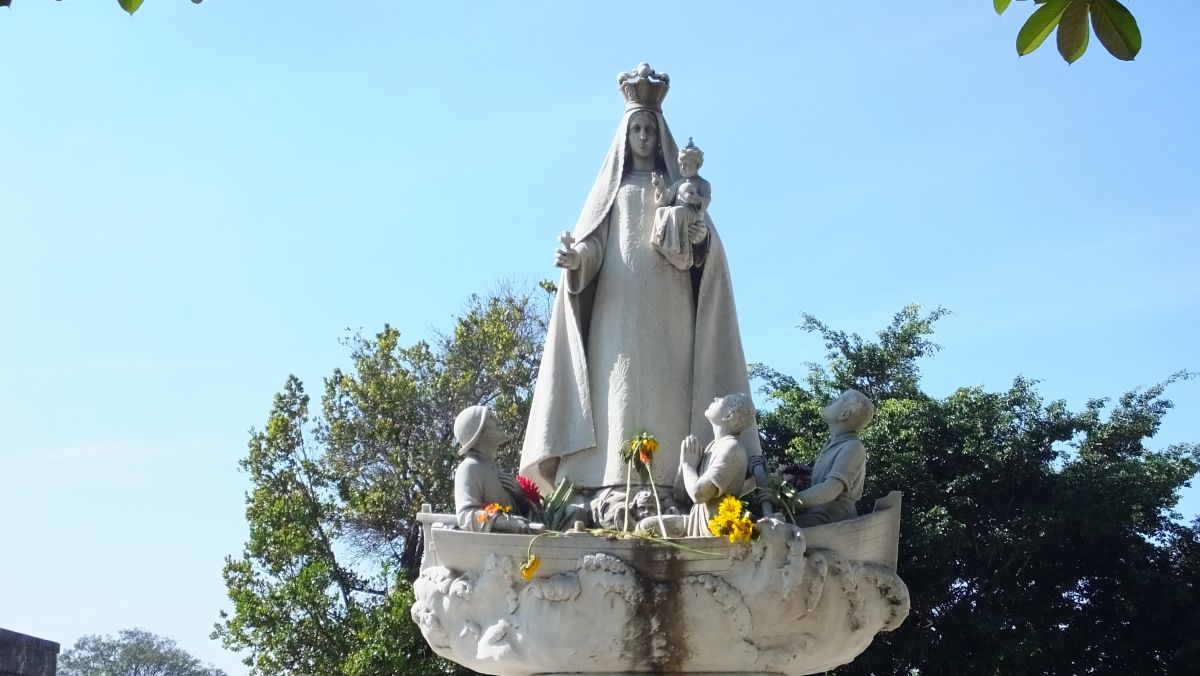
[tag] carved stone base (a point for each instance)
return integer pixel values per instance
(777, 608)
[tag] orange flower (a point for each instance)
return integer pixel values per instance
(489, 512)
(646, 446)
(530, 566)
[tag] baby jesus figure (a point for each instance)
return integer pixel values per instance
(680, 226)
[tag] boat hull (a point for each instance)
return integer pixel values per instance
(792, 601)
(870, 538)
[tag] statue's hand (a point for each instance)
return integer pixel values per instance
(656, 180)
(697, 232)
(689, 451)
(567, 259)
(510, 484)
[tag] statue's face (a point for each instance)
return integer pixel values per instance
(688, 166)
(717, 411)
(492, 432)
(837, 409)
(643, 505)
(643, 135)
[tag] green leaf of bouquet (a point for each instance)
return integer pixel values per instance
(1117, 29)
(130, 6)
(1039, 26)
(1073, 31)
(1001, 5)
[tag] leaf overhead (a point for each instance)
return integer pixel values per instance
(130, 6)
(1073, 31)
(1117, 29)
(1039, 26)
(1001, 5)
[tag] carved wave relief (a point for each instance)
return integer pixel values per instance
(774, 606)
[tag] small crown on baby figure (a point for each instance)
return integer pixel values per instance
(691, 150)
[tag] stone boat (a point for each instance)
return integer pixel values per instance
(870, 538)
(792, 601)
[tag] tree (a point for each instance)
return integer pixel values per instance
(1034, 539)
(324, 583)
(133, 652)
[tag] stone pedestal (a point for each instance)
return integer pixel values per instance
(784, 604)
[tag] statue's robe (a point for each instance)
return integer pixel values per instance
(634, 344)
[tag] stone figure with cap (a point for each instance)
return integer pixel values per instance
(485, 499)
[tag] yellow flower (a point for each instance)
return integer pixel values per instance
(730, 507)
(716, 526)
(741, 530)
(732, 521)
(530, 566)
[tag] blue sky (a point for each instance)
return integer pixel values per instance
(199, 200)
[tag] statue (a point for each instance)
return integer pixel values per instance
(841, 467)
(635, 344)
(642, 353)
(678, 228)
(721, 469)
(609, 507)
(484, 498)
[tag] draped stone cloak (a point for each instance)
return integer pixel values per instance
(561, 419)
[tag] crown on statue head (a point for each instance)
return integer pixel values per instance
(644, 88)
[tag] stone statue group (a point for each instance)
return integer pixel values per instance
(644, 339)
(641, 414)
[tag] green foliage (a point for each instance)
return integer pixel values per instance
(1040, 25)
(883, 370)
(1073, 32)
(1114, 25)
(555, 512)
(132, 651)
(130, 6)
(1117, 29)
(323, 585)
(1035, 539)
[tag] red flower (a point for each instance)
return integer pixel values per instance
(530, 489)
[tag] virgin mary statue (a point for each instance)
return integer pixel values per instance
(635, 345)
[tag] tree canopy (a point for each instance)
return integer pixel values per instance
(1035, 539)
(133, 652)
(323, 585)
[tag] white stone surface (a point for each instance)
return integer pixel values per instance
(774, 606)
(661, 342)
(656, 314)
